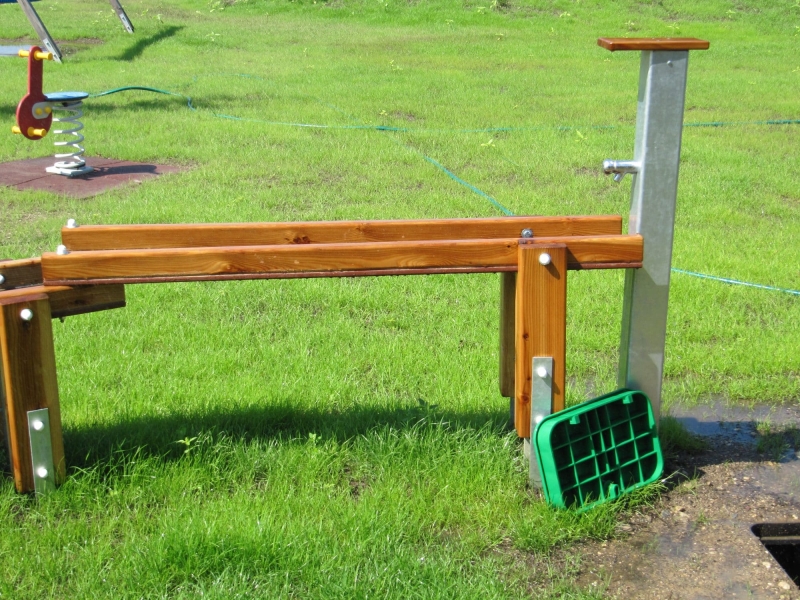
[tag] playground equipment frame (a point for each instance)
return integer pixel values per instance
(89, 270)
(44, 35)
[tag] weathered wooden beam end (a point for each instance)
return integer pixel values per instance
(29, 383)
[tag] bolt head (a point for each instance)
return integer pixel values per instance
(38, 425)
(71, 223)
(527, 233)
(2, 280)
(62, 250)
(541, 372)
(41, 472)
(26, 314)
(544, 259)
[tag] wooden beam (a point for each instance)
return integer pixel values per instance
(20, 273)
(252, 262)
(508, 294)
(128, 237)
(28, 382)
(541, 325)
(68, 301)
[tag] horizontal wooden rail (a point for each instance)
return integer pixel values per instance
(320, 260)
(128, 237)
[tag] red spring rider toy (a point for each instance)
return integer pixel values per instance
(35, 115)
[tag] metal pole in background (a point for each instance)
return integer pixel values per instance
(44, 35)
(122, 16)
(41, 30)
(657, 149)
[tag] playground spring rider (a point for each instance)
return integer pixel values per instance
(35, 116)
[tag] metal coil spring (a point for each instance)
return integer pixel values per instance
(75, 112)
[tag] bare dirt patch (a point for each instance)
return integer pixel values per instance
(696, 542)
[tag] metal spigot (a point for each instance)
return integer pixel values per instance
(620, 168)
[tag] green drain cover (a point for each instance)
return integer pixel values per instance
(594, 452)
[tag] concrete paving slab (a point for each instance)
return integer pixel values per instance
(108, 173)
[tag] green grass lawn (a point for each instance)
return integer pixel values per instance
(345, 438)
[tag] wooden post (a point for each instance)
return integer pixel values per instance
(541, 324)
(28, 381)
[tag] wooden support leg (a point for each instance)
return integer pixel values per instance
(541, 313)
(508, 292)
(29, 382)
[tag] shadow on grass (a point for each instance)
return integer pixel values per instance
(9, 112)
(159, 436)
(150, 100)
(136, 50)
(158, 103)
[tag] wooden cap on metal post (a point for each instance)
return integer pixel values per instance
(615, 44)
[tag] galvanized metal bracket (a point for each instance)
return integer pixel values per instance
(44, 471)
(541, 406)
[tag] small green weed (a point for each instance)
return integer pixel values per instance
(774, 441)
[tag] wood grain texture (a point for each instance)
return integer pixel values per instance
(71, 301)
(20, 273)
(615, 44)
(122, 237)
(248, 262)
(541, 325)
(29, 383)
(508, 298)
(68, 301)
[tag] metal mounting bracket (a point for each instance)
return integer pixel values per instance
(541, 406)
(44, 471)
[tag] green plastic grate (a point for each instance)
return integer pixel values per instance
(596, 451)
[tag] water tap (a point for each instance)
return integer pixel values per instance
(620, 168)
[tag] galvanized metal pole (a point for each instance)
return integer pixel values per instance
(126, 22)
(41, 30)
(657, 149)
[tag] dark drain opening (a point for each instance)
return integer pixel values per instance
(783, 542)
